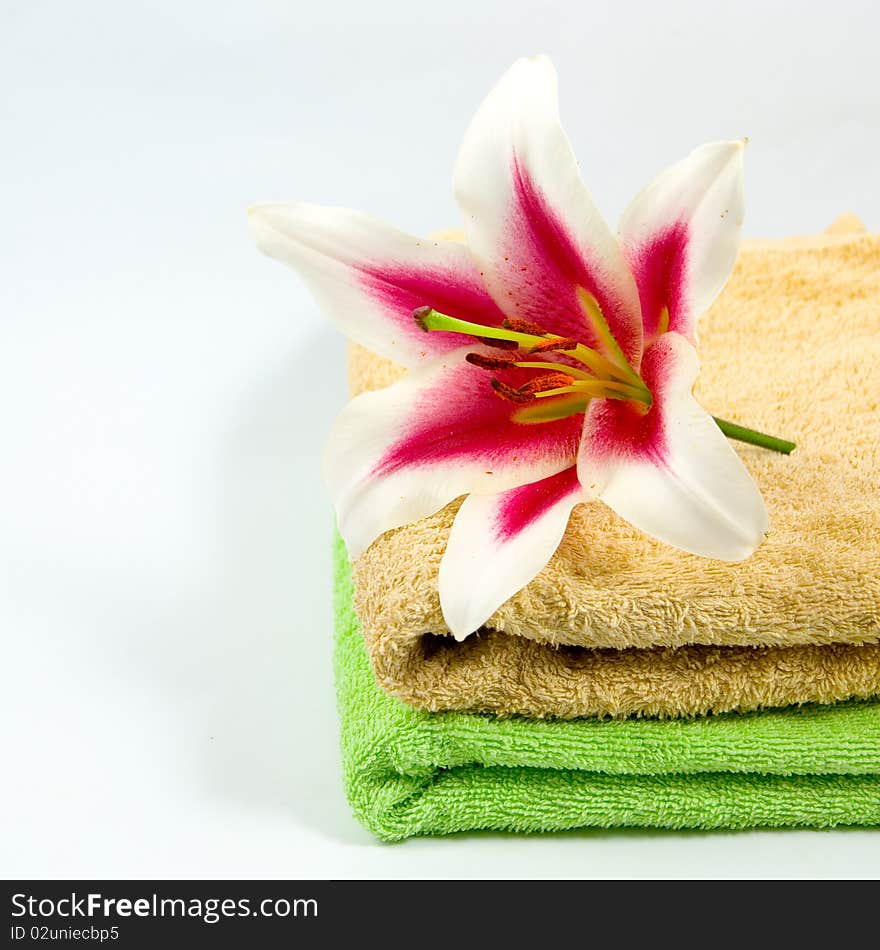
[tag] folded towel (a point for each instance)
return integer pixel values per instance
(410, 772)
(493, 672)
(792, 347)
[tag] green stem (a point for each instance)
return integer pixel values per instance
(742, 434)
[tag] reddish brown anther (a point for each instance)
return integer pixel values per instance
(554, 346)
(490, 362)
(523, 326)
(499, 344)
(548, 381)
(509, 393)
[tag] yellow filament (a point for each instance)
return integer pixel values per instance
(557, 367)
(560, 408)
(594, 314)
(663, 322)
(605, 389)
(597, 363)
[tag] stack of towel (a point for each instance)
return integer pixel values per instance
(632, 684)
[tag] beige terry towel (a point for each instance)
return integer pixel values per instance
(792, 347)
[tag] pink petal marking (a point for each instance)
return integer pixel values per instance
(660, 267)
(616, 429)
(672, 473)
(462, 418)
(542, 267)
(523, 506)
(400, 290)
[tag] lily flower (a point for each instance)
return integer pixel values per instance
(550, 361)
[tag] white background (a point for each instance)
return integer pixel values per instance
(164, 389)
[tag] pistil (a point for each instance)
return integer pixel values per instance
(429, 319)
(508, 362)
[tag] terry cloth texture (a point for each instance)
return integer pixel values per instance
(410, 772)
(792, 347)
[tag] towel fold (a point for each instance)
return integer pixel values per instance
(494, 672)
(792, 347)
(410, 772)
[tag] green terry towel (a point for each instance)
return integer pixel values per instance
(410, 772)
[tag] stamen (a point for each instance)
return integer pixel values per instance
(554, 368)
(547, 381)
(602, 389)
(624, 390)
(524, 326)
(499, 344)
(603, 368)
(557, 344)
(593, 312)
(558, 391)
(548, 410)
(509, 393)
(663, 322)
(491, 362)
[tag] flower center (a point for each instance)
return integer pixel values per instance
(584, 374)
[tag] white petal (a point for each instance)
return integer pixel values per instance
(498, 543)
(369, 277)
(531, 222)
(681, 236)
(401, 453)
(672, 473)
